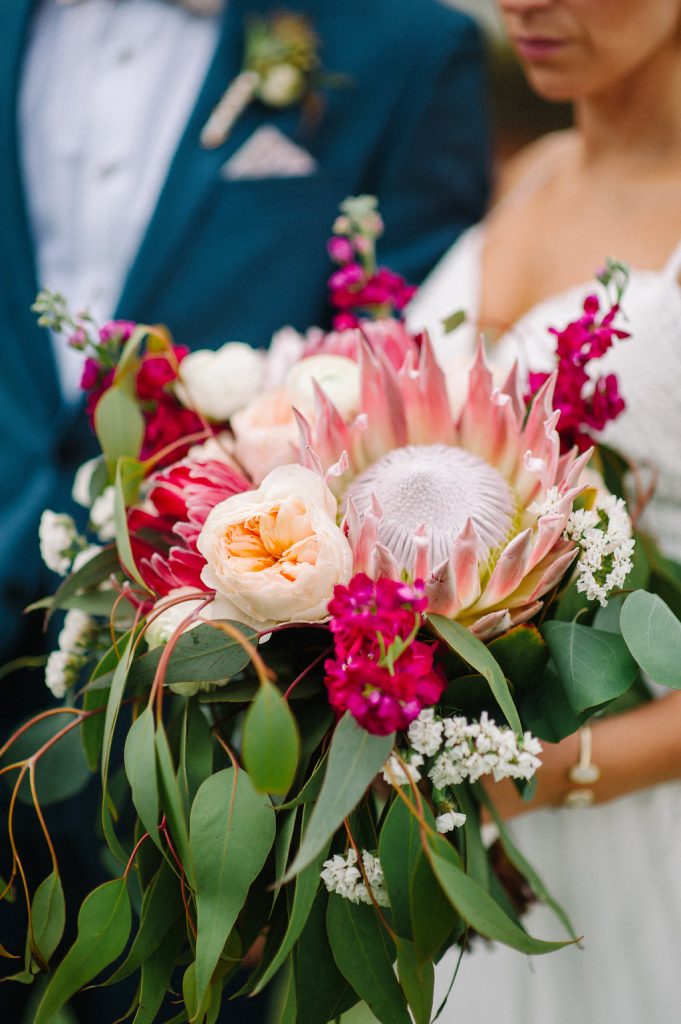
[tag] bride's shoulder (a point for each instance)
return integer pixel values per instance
(533, 164)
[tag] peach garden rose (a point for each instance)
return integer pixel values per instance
(275, 554)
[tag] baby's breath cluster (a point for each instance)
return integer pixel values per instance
(343, 876)
(473, 749)
(604, 536)
(455, 750)
(75, 640)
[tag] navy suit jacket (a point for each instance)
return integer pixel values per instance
(234, 260)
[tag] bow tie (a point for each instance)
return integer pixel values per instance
(205, 8)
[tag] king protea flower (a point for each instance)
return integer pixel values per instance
(449, 499)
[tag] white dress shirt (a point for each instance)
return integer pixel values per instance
(106, 89)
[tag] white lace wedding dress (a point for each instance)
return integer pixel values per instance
(617, 867)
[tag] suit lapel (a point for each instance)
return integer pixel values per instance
(193, 172)
(26, 352)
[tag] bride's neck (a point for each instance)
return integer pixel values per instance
(637, 122)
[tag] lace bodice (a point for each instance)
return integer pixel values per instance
(648, 364)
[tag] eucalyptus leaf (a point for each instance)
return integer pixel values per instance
(521, 864)
(157, 971)
(129, 475)
(48, 916)
(399, 851)
(61, 772)
(354, 759)
(113, 705)
(231, 833)
(433, 918)
(103, 929)
(331, 994)
(172, 802)
(594, 666)
(476, 905)
(119, 424)
(417, 979)
(306, 886)
(364, 954)
(95, 571)
(202, 655)
(161, 909)
(140, 767)
(653, 635)
(196, 749)
(476, 654)
(271, 742)
(522, 655)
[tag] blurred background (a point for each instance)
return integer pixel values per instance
(519, 115)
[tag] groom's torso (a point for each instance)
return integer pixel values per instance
(233, 247)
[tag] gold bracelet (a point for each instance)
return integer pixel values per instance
(583, 774)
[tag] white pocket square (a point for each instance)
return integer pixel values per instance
(268, 153)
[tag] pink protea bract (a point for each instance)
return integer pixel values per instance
(475, 505)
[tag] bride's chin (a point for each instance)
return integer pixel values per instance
(555, 87)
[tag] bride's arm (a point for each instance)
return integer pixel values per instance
(634, 750)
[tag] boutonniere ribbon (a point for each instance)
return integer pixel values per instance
(281, 68)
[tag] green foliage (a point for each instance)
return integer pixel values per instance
(364, 953)
(129, 475)
(594, 666)
(653, 635)
(203, 655)
(477, 906)
(161, 910)
(231, 834)
(330, 994)
(271, 742)
(140, 767)
(417, 980)
(476, 654)
(48, 916)
(119, 424)
(60, 773)
(399, 851)
(156, 972)
(354, 759)
(306, 886)
(103, 929)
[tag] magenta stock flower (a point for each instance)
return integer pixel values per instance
(381, 673)
(586, 403)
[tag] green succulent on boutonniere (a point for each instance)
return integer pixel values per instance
(281, 68)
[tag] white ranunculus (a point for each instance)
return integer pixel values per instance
(216, 384)
(275, 554)
(337, 376)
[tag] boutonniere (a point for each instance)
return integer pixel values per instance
(281, 68)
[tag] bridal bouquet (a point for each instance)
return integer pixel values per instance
(326, 593)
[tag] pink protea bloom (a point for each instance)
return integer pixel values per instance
(381, 673)
(475, 505)
(177, 506)
(387, 335)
